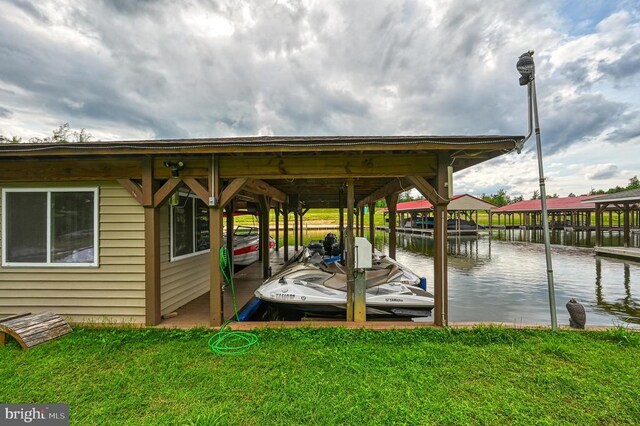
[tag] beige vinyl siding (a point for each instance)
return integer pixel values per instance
(113, 292)
(181, 280)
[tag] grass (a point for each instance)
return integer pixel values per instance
(334, 376)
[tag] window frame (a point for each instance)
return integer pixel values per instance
(194, 199)
(49, 263)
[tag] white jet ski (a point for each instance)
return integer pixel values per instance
(310, 285)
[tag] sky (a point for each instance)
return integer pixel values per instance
(125, 69)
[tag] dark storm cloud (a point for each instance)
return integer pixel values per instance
(628, 65)
(602, 171)
(565, 122)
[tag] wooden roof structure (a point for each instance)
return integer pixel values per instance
(312, 168)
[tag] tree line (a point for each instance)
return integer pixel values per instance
(63, 134)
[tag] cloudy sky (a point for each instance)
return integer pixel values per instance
(165, 69)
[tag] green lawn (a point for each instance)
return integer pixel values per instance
(334, 376)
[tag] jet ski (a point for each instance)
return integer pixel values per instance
(246, 241)
(315, 285)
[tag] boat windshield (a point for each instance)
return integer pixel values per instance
(245, 230)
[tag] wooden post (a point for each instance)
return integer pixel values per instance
(277, 211)
(216, 313)
(230, 209)
(392, 206)
(598, 225)
(264, 234)
(301, 216)
(372, 224)
(627, 229)
(153, 304)
(285, 224)
(350, 248)
(295, 228)
(357, 221)
(340, 219)
(362, 221)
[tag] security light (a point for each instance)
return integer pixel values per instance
(526, 67)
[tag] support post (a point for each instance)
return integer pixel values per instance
(598, 225)
(362, 221)
(285, 237)
(350, 248)
(264, 234)
(301, 216)
(230, 209)
(392, 206)
(153, 303)
(216, 313)
(277, 208)
(295, 229)
(341, 218)
(372, 224)
(627, 229)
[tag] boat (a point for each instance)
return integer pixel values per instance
(246, 243)
(316, 286)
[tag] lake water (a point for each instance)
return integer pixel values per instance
(503, 278)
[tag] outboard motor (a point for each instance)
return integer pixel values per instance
(329, 240)
(316, 247)
(335, 249)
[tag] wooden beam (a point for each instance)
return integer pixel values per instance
(392, 201)
(133, 188)
(258, 186)
(231, 191)
(428, 191)
(148, 187)
(198, 189)
(336, 166)
(216, 311)
(70, 169)
(165, 191)
(393, 186)
(350, 249)
(440, 266)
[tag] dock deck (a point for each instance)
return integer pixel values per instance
(429, 231)
(246, 281)
(631, 253)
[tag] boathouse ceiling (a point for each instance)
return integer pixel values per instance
(312, 170)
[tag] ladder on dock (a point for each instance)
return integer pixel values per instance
(30, 330)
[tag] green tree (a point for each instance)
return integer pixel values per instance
(500, 198)
(634, 183)
(536, 195)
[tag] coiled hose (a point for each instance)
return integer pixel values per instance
(226, 341)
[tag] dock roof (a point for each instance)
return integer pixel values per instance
(582, 202)
(457, 202)
(632, 195)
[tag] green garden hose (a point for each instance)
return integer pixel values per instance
(228, 342)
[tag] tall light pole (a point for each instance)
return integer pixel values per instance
(526, 68)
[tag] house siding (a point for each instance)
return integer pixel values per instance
(112, 292)
(181, 280)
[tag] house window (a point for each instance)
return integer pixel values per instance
(50, 227)
(189, 227)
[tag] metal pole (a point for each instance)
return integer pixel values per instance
(545, 217)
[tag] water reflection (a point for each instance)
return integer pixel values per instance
(503, 278)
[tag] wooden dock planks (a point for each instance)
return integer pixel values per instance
(30, 330)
